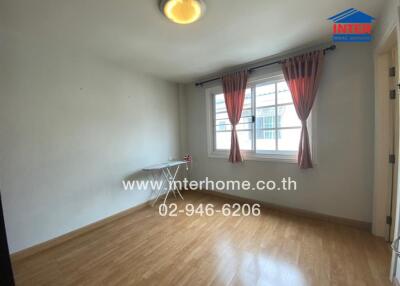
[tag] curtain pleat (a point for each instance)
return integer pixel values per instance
(234, 86)
(302, 74)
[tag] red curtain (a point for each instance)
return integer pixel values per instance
(302, 74)
(234, 86)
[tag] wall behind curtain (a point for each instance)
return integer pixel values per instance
(72, 125)
(341, 182)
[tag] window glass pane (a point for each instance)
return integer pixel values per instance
(247, 99)
(222, 125)
(244, 126)
(289, 139)
(284, 95)
(265, 117)
(228, 127)
(246, 112)
(287, 116)
(247, 119)
(265, 140)
(244, 140)
(222, 115)
(226, 121)
(265, 95)
(243, 119)
(219, 103)
(220, 108)
(222, 140)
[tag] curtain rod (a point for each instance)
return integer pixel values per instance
(330, 48)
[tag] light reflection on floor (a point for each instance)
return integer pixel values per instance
(249, 268)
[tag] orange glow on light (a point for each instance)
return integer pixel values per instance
(183, 11)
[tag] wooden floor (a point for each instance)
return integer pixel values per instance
(273, 249)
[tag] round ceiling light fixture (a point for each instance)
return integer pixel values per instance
(183, 11)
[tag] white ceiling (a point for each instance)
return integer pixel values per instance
(133, 33)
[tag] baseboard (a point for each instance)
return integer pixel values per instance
(22, 254)
(339, 220)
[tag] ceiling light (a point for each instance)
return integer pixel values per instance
(183, 11)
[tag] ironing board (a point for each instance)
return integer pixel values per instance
(167, 171)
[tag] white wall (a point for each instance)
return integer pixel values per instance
(72, 126)
(385, 22)
(341, 182)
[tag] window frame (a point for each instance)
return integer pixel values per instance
(271, 155)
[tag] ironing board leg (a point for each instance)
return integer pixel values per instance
(160, 189)
(173, 181)
(168, 179)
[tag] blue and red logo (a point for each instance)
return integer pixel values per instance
(352, 25)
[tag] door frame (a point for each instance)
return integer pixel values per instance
(383, 139)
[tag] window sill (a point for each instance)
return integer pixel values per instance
(258, 157)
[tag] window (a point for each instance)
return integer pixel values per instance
(223, 127)
(269, 126)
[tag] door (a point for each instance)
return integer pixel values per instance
(394, 144)
(392, 233)
(6, 273)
